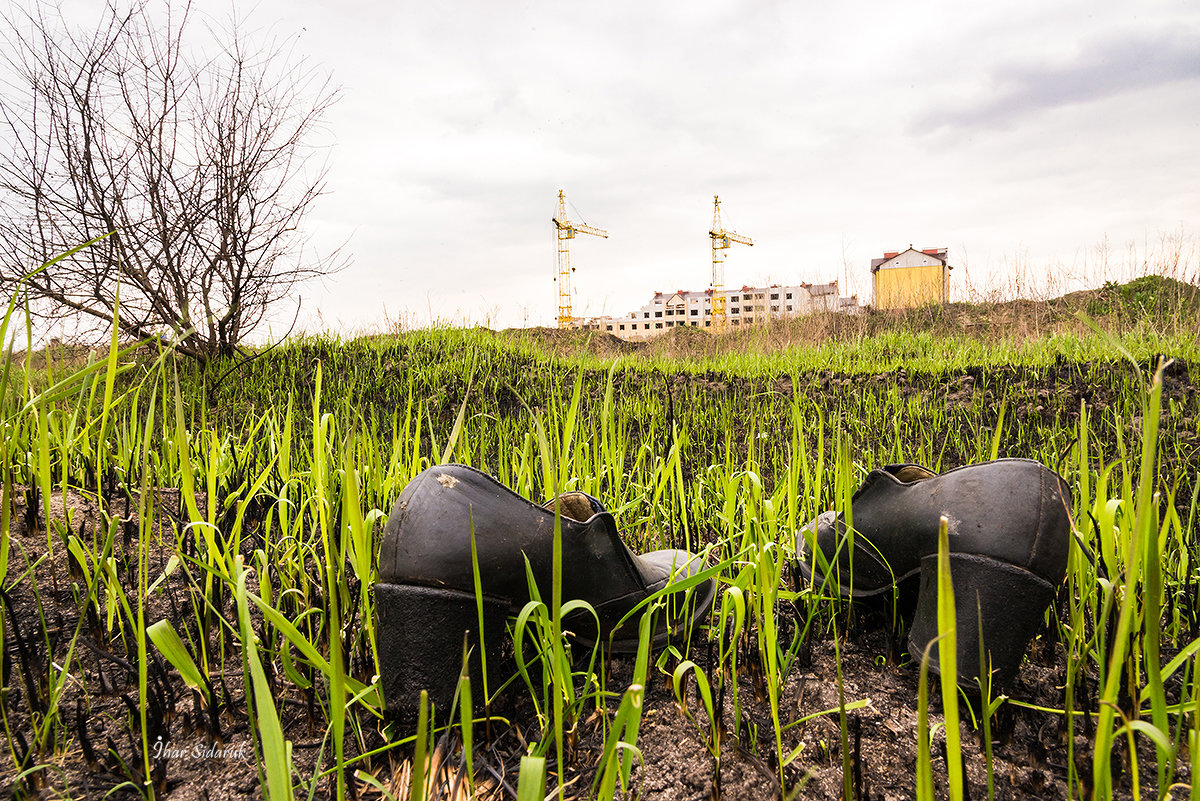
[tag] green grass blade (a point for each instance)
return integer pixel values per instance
(531, 781)
(169, 644)
(948, 664)
(276, 751)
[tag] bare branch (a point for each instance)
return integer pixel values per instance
(201, 165)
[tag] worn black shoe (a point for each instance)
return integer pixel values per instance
(1009, 524)
(425, 598)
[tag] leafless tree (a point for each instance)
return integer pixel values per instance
(191, 146)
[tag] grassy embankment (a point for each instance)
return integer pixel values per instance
(243, 509)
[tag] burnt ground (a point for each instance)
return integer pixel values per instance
(208, 752)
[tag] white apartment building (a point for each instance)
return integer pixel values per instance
(743, 307)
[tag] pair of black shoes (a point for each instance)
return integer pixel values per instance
(459, 550)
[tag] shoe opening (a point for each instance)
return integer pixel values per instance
(579, 506)
(909, 473)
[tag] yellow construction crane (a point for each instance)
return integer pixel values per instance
(721, 240)
(566, 230)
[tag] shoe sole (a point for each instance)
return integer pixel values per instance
(999, 602)
(420, 636)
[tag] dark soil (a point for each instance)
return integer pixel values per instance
(1030, 756)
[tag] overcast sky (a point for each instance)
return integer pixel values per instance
(1020, 135)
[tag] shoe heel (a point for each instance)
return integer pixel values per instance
(1009, 600)
(420, 633)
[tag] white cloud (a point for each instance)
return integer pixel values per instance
(831, 133)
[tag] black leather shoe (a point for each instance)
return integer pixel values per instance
(1009, 526)
(425, 598)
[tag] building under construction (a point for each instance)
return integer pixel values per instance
(715, 308)
(743, 307)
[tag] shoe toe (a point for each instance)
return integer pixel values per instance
(661, 569)
(669, 565)
(821, 533)
(676, 566)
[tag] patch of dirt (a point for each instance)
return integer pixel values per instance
(197, 750)
(1029, 756)
(570, 341)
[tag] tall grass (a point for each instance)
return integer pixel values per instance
(241, 515)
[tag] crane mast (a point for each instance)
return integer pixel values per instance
(565, 231)
(721, 241)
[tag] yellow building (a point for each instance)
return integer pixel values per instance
(904, 279)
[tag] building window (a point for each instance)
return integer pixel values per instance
(789, 308)
(622, 327)
(789, 296)
(774, 296)
(647, 315)
(707, 323)
(735, 322)
(695, 312)
(670, 312)
(609, 328)
(734, 298)
(775, 308)
(734, 310)
(647, 326)
(658, 314)
(658, 325)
